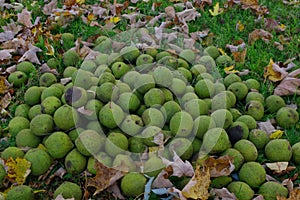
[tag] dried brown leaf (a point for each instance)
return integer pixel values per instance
(266, 126)
(221, 166)
(277, 167)
(238, 51)
(259, 197)
(6, 36)
(294, 195)
(197, 187)
(222, 194)
(49, 8)
(104, 178)
(13, 27)
(60, 197)
(289, 184)
(259, 34)
(116, 192)
(290, 85)
(162, 180)
(30, 55)
(5, 54)
(170, 12)
(25, 18)
(45, 68)
(274, 72)
(179, 167)
(5, 101)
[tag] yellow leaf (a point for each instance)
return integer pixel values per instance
(222, 51)
(294, 195)
(281, 27)
(230, 70)
(80, 1)
(91, 17)
(276, 134)
(113, 20)
(3, 85)
(197, 187)
(18, 170)
(217, 10)
(239, 26)
(270, 73)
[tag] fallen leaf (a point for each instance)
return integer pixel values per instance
(13, 27)
(276, 134)
(221, 166)
(289, 184)
(179, 167)
(230, 70)
(113, 20)
(259, 197)
(202, 3)
(5, 101)
(289, 85)
(197, 187)
(279, 46)
(45, 68)
(278, 167)
(238, 51)
(170, 12)
(222, 194)
(5, 54)
(104, 178)
(217, 10)
(17, 170)
(239, 26)
(115, 190)
(162, 179)
(273, 72)
(222, 51)
(49, 8)
(60, 197)
(294, 195)
(30, 55)
(25, 18)
(6, 36)
(266, 126)
(259, 34)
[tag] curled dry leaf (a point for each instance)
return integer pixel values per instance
(48, 8)
(222, 194)
(259, 34)
(45, 68)
(105, 177)
(5, 54)
(259, 197)
(6, 36)
(197, 187)
(179, 167)
(239, 51)
(266, 126)
(115, 190)
(289, 184)
(60, 197)
(277, 167)
(294, 195)
(162, 180)
(30, 54)
(274, 72)
(221, 166)
(290, 85)
(25, 18)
